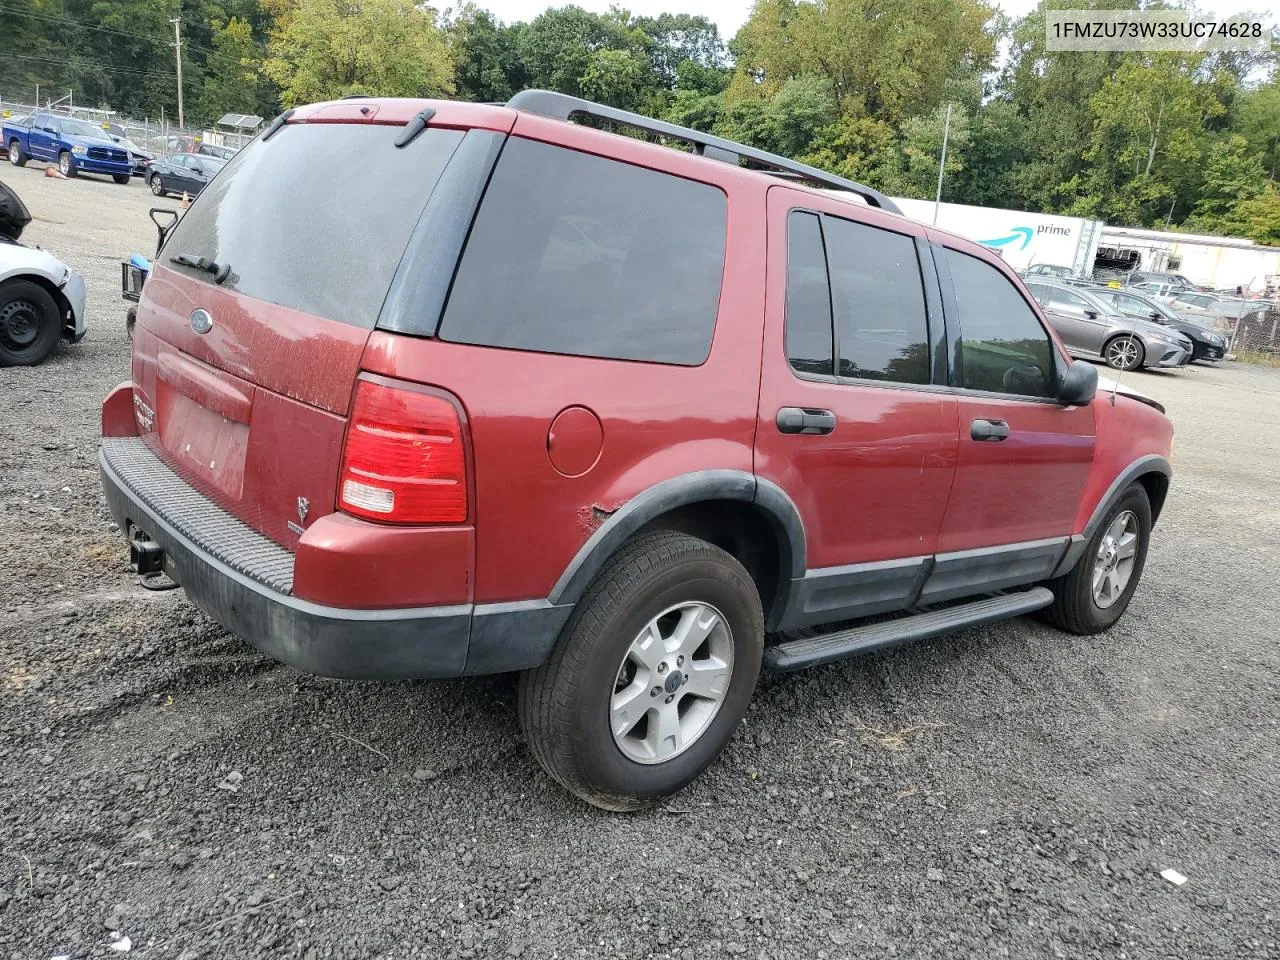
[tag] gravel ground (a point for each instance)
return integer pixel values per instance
(1006, 792)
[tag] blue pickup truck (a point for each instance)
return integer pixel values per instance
(76, 146)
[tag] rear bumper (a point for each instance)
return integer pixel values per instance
(418, 643)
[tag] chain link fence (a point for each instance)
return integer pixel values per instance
(1259, 332)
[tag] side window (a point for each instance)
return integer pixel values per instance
(877, 298)
(1065, 298)
(1040, 292)
(808, 320)
(1003, 347)
(1131, 307)
(598, 258)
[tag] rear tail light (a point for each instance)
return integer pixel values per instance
(404, 460)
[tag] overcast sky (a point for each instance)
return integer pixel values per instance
(729, 15)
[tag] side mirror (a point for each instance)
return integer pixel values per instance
(1091, 314)
(1154, 316)
(1078, 383)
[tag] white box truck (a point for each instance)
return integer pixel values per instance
(1022, 239)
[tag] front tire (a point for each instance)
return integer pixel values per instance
(122, 178)
(1094, 595)
(651, 675)
(67, 164)
(1124, 353)
(156, 184)
(29, 323)
(16, 156)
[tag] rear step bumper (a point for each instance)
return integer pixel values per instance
(419, 643)
(829, 647)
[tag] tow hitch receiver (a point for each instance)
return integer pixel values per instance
(147, 559)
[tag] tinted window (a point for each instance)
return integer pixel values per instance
(878, 302)
(1066, 298)
(1003, 347)
(303, 225)
(572, 253)
(808, 297)
(1040, 292)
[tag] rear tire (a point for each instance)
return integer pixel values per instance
(578, 711)
(122, 178)
(29, 324)
(67, 164)
(130, 321)
(1078, 605)
(16, 155)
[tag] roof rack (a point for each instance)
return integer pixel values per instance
(561, 106)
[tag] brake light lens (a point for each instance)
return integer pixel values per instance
(404, 460)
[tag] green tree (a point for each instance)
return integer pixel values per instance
(332, 48)
(676, 39)
(488, 64)
(1232, 175)
(615, 77)
(884, 60)
(996, 151)
(922, 149)
(803, 107)
(858, 148)
(1260, 217)
(1257, 119)
(557, 46)
(235, 82)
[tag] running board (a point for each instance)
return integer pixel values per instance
(814, 651)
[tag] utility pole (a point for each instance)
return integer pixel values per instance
(177, 52)
(937, 200)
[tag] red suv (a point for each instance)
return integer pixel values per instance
(512, 393)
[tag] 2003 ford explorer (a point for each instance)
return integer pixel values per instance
(521, 394)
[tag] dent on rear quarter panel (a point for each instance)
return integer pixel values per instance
(1126, 431)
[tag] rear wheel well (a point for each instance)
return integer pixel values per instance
(738, 528)
(1157, 486)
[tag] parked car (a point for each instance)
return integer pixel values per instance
(41, 298)
(1206, 344)
(1150, 276)
(1223, 312)
(76, 146)
(182, 173)
(379, 432)
(1160, 291)
(1091, 327)
(1049, 271)
(214, 150)
(141, 158)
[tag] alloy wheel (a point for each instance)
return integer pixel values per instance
(671, 682)
(1122, 353)
(1113, 565)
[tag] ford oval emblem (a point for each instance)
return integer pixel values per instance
(201, 320)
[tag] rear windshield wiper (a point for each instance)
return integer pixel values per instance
(416, 124)
(220, 271)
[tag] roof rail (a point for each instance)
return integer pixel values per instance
(561, 106)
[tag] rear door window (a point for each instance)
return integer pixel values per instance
(577, 254)
(877, 297)
(808, 320)
(316, 218)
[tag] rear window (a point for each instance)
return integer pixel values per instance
(317, 218)
(576, 254)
